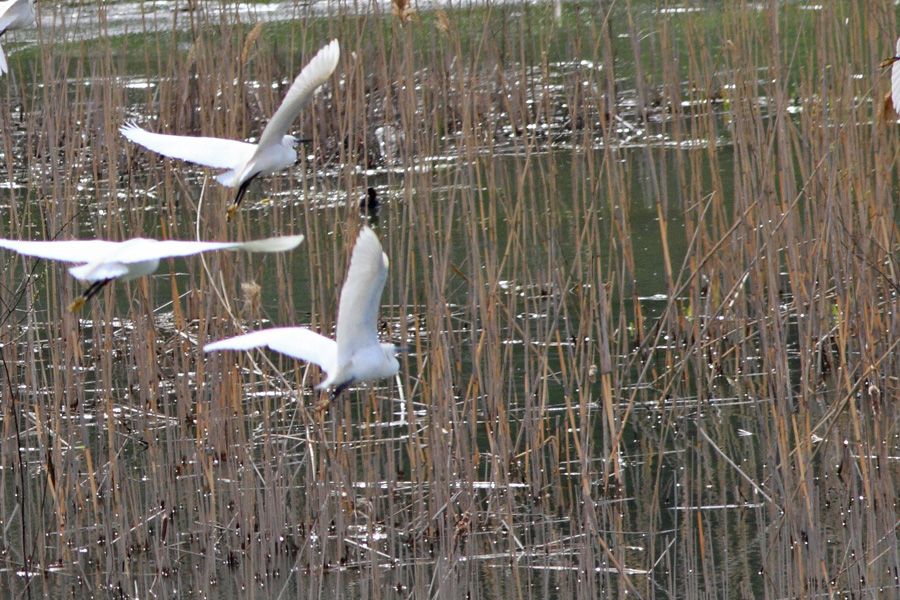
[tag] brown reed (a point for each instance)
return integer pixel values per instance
(643, 280)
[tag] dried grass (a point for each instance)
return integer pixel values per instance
(553, 431)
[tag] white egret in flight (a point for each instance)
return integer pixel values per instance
(244, 161)
(356, 356)
(100, 261)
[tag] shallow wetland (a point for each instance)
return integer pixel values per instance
(643, 283)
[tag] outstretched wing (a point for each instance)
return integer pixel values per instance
(217, 153)
(301, 92)
(140, 249)
(273, 244)
(361, 296)
(74, 251)
(297, 342)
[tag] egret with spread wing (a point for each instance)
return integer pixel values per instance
(356, 356)
(242, 161)
(100, 261)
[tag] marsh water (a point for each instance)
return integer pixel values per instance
(643, 287)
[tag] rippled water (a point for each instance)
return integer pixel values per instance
(506, 460)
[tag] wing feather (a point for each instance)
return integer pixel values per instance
(297, 342)
(8, 16)
(74, 251)
(272, 244)
(217, 153)
(313, 75)
(16, 15)
(357, 320)
(140, 249)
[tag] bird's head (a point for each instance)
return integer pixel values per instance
(289, 141)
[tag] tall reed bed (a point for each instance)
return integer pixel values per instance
(643, 281)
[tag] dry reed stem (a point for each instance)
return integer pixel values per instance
(551, 428)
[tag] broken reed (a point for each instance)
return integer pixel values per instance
(545, 412)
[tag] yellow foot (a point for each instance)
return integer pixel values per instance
(322, 405)
(232, 210)
(78, 304)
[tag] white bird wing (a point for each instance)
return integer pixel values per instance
(74, 251)
(8, 16)
(300, 93)
(357, 319)
(217, 153)
(16, 14)
(140, 249)
(272, 244)
(297, 342)
(99, 271)
(3, 66)
(895, 80)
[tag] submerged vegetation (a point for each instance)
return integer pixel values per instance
(643, 279)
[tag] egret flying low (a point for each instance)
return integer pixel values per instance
(244, 161)
(894, 63)
(14, 14)
(101, 261)
(356, 356)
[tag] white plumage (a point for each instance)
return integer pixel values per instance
(242, 161)
(100, 261)
(14, 14)
(356, 356)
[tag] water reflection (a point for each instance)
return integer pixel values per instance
(608, 383)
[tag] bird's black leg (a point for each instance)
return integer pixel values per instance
(323, 404)
(91, 291)
(337, 390)
(95, 288)
(240, 196)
